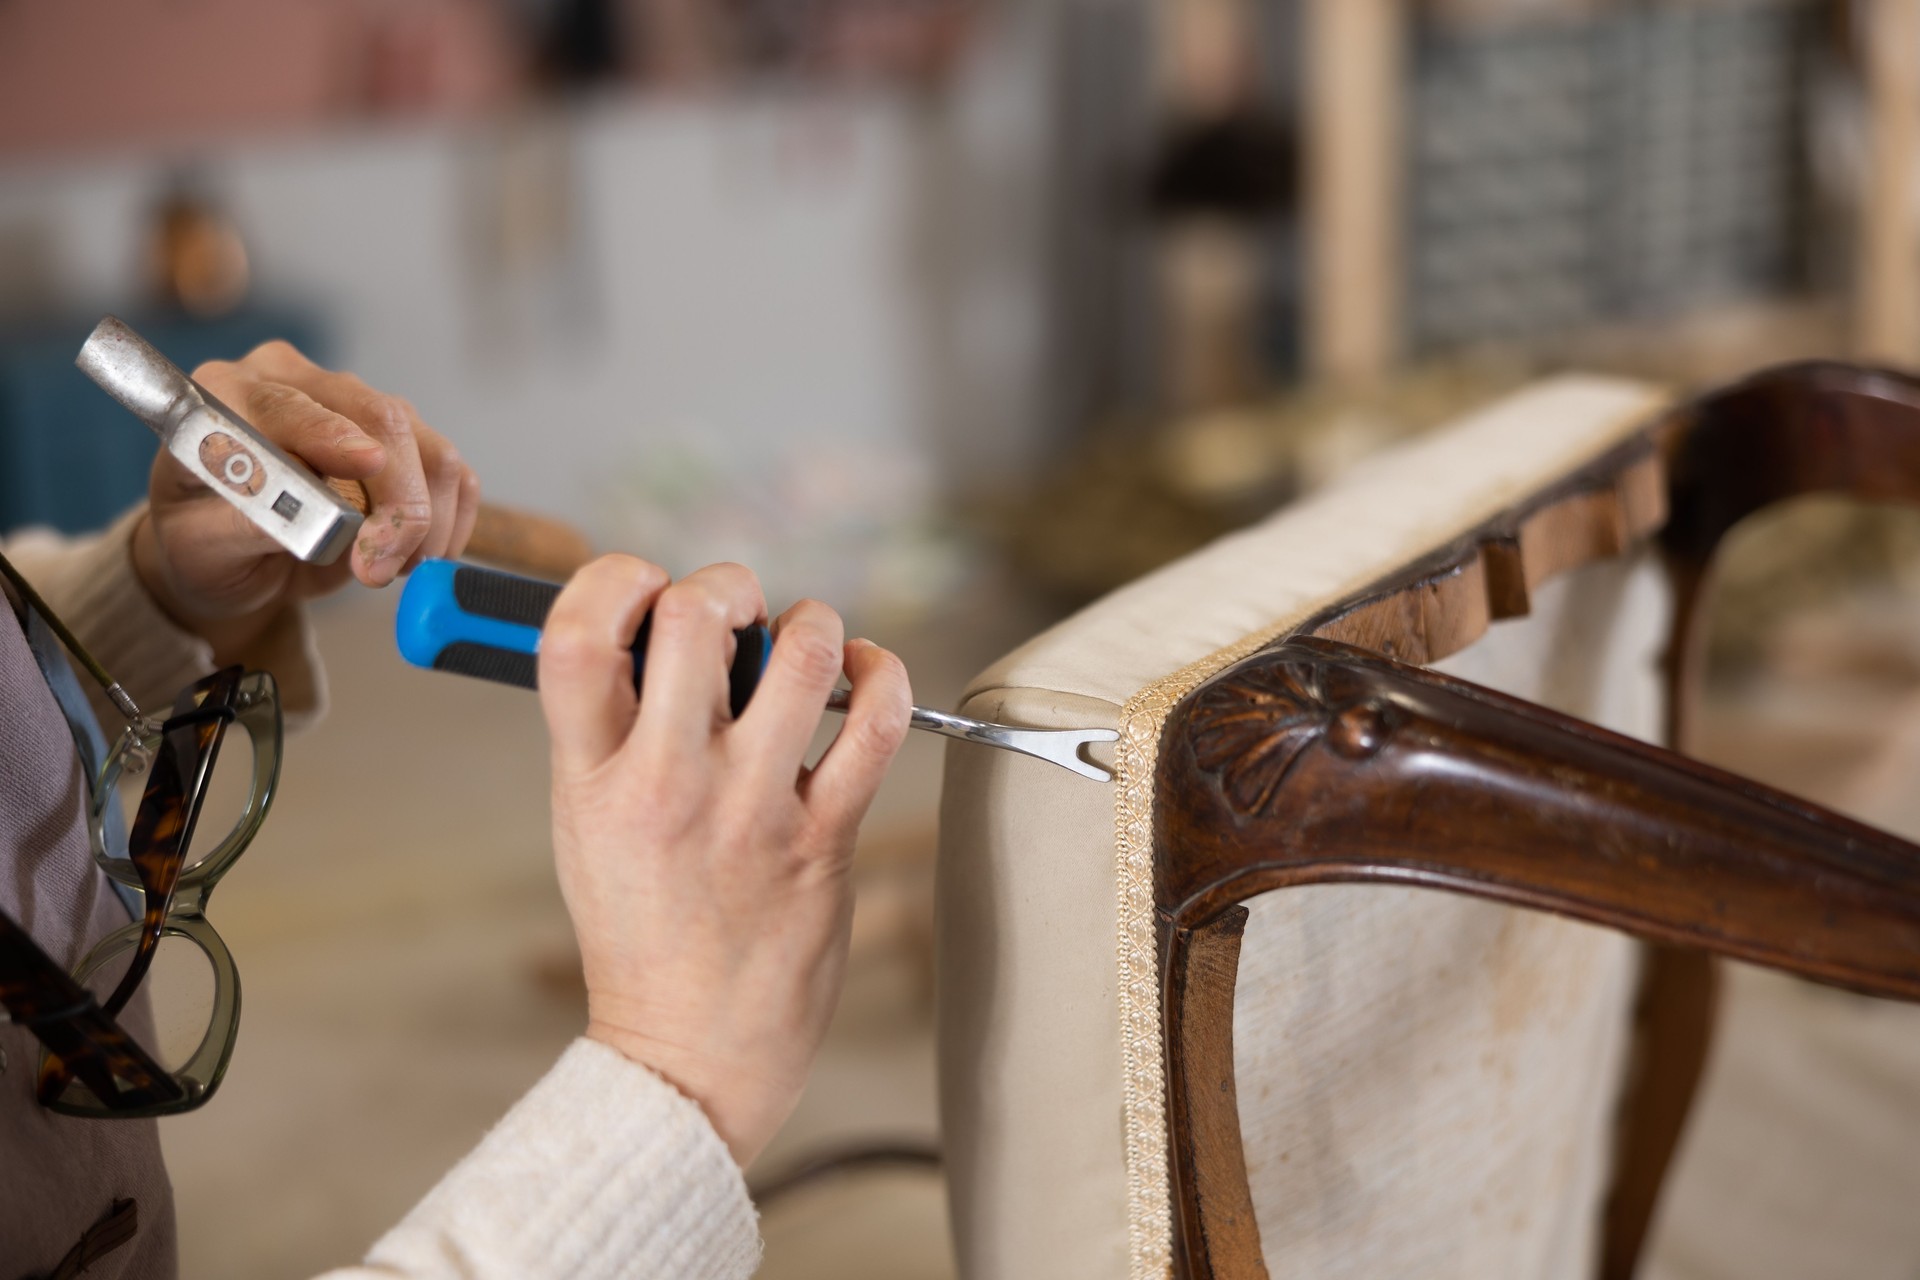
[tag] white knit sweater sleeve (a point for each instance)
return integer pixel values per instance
(601, 1170)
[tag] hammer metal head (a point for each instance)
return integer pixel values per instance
(276, 491)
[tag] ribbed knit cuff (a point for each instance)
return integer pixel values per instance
(601, 1170)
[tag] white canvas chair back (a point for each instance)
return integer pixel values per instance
(1426, 1082)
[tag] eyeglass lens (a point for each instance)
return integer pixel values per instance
(172, 1009)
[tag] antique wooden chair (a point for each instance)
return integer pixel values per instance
(1213, 1020)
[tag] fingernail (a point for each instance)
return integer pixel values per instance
(361, 444)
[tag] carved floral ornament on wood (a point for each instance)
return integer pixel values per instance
(1249, 728)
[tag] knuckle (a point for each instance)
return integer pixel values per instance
(669, 792)
(810, 653)
(272, 397)
(411, 514)
(730, 579)
(881, 735)
(687, 603)
(889, 669)
(619, 563)
(567, 648)
(387, 415)
(614, 571)
(818, 612)
(273, 351)
(283, 411)
(654, 792)
(448, 463)
(469, 485)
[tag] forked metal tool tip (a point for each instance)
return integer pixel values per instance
(1056, 746)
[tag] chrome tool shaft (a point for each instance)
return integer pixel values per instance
(1059, 746)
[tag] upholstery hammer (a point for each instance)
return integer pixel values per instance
(314, 519)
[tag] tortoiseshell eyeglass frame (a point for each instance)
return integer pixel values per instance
(91, 1065)
(41, 996)
(183, 752)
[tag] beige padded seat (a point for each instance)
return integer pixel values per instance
(1426, 1082)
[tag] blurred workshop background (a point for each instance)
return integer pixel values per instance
(903, 303)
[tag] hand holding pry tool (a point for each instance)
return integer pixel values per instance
(314, 519)
(480, 622)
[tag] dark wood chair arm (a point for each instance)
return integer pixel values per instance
(1316, 761)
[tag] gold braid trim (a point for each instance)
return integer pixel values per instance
(1143, 1080)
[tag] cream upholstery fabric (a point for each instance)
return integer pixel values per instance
(1428, 1081)
(1425, 1081)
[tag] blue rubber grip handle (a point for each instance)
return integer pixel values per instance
(485, 623)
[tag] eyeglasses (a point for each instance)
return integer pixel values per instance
(145, 1024)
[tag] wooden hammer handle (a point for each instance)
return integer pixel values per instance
(522, 541)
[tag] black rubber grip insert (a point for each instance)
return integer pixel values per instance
(502, 666)
(505, 596)
(488, 593)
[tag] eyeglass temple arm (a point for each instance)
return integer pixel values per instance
(116, 694)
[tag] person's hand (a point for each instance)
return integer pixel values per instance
(217, 575)
(704, 865)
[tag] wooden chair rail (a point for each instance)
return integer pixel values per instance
(1286, 768)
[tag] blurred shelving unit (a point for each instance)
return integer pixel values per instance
(1521, 170)
(1473, 172)
(1481, 191)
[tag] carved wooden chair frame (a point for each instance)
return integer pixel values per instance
(1290, 767)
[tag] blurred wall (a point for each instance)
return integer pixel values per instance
(74, 74)
(853, 274)
(728, 269)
